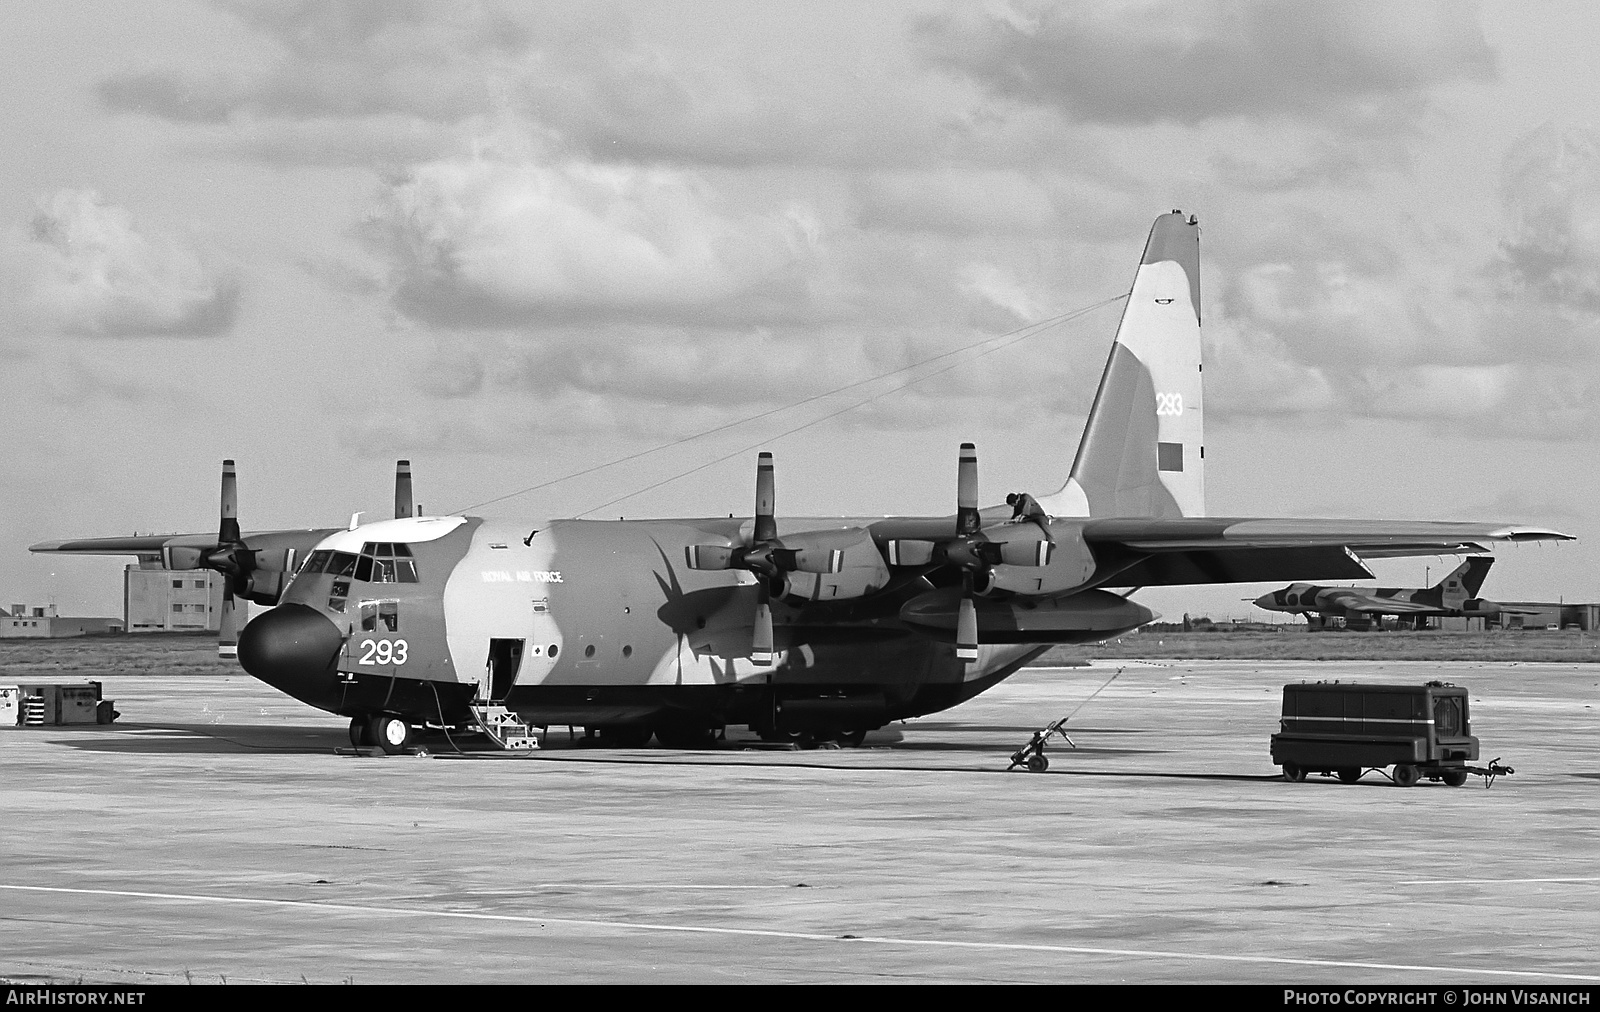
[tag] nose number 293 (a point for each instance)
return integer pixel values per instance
(383, 652)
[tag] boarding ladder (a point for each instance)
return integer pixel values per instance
(504, 727)
(33, 711)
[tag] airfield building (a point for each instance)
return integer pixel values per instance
(168, 600)
(22, 621)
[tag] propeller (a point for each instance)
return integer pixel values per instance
(234, 561)
(973, 552)
(404, 506)
(765, 555)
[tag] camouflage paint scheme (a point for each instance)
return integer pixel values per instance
(652, 625)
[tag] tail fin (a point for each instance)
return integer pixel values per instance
(1143, 451)
(1464, 581)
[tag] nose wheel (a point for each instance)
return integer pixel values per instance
(391, 733)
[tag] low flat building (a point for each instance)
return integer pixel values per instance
(21, 621)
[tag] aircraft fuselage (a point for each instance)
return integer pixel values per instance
(596, 623)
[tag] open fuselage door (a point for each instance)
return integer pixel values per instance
(512, 660)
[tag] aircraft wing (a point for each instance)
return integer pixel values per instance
(154, 544)
(134, 544)
(1198, 550)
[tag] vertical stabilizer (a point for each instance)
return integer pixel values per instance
(1464, 581)
(1143, 452)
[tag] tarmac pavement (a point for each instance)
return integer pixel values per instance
(214, 833)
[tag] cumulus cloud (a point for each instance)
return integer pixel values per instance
(352, 59)
(1405, 327)
(351, 81)
(1189, 61)
(86, 268)
(509, 238)
(1551, 188)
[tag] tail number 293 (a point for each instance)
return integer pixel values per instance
(383, 652)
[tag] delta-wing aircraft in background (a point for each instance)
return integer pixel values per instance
(1454, 596)
(827, 627)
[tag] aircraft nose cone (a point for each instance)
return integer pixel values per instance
(293, 649)
(1265, 601)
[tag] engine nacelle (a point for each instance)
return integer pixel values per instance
(1084, 617)
(1070, 562)
(859, 568)
(182, 557)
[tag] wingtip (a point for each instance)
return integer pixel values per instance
(1518, 533)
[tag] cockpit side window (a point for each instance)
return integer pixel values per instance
(380, 616)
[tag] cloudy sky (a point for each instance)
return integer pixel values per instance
(512, 242)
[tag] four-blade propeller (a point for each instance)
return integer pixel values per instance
(234, 560)
(974, 552)
(767, 556)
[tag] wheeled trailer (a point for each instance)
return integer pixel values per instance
(1343, 729)
(1031, 756)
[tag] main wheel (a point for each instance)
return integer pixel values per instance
(1293, 772)
(1454, 778)
(1038, 763)
(391, 733)
(360, 732)
(1349, 775)
(1406, 775)
(850, 739)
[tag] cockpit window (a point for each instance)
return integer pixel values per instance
(324, 561)
(386, 562)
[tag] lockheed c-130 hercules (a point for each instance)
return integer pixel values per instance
(827, 627)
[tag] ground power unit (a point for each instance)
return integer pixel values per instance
(1343, 729)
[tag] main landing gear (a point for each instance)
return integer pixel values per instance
(812, 739)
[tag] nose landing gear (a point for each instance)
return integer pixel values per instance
(391, 733)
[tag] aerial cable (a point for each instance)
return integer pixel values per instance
(1031, 329)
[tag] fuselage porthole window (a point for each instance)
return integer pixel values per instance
(588, 651)
(553, 649)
